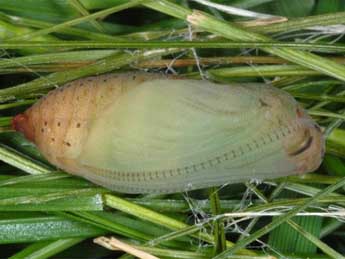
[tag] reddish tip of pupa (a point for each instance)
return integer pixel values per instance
(21, 123)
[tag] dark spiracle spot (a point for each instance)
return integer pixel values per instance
(304, 147)
(263, 103)
(317, 127)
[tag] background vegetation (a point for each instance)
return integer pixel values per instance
(45, 213)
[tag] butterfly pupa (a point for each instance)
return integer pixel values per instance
(144, 133)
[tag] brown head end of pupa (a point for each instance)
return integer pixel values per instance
(22, 123)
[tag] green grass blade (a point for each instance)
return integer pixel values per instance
(279, 220)
(157, 218)
(21, 161)
(80, 20)
(321, 245)
(102, 66)
(231, 32)
(24, 230)
(218, 225)
(46, 249)
(81, 9)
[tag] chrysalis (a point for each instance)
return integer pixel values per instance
(142, 133)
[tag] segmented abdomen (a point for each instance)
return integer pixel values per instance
(62, 117)
(141, 132)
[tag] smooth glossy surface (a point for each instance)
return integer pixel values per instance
(139, 133)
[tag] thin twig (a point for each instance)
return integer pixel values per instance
(115, 244)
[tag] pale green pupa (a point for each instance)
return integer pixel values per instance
(145, 133)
